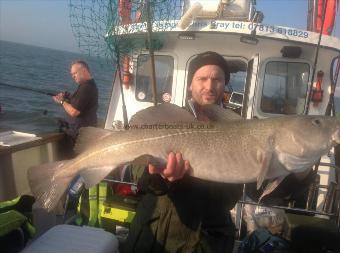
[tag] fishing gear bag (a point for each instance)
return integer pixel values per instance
(16, 223)
(109, 204)
(262, 241)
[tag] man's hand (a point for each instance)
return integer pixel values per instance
(69, 109)
(175, 168)
(59, 97)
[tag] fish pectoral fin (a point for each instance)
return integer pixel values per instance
(271, 186)
(94, 175)
(264, 158)
(88, 136)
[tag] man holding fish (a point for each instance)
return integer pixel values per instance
(191, 215)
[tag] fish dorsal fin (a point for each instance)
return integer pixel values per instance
(88, 136)
(217, 113)
(162, 113)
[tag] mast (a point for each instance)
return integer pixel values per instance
(316, 8)
(312, 14)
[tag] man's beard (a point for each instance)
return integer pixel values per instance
(209, 98)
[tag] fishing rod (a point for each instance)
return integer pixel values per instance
(309, 98)
(151, 53)
(28, 89)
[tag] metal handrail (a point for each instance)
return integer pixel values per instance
(118, 181)
(302, 210)
(330, 165)
(334, 189)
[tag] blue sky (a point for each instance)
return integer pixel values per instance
(37, 22)
(46, 23)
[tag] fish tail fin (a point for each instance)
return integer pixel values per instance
(48, 184)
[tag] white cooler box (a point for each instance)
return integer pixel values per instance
(74, 239)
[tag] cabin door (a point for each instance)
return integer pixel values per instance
(251, 83)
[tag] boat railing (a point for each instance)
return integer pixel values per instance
(330, 208)
(332, 199)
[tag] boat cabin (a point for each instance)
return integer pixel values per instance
(272, 67)
(275, 70)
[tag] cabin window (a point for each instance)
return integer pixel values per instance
(234, 91)
(285, 87)
(238, 75)
(164, 65)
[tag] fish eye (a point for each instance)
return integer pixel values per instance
(316, 122)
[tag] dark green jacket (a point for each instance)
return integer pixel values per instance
(189, 215)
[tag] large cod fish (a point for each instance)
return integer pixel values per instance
(230, 151)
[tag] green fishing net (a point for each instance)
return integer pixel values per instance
(103, 27)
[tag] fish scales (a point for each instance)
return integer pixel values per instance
(236, 151)
(204, 147)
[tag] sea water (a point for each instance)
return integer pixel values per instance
(46, 70)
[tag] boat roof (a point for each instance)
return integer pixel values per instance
(233, 27)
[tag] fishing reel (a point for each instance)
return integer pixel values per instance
(67, 95)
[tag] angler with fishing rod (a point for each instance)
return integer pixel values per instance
(80, 107)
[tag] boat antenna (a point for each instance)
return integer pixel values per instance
(116, 58)
(125, 117)
(316, 57)
(330, 110)
(28, 89)
(152, 57)
(316, 166)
